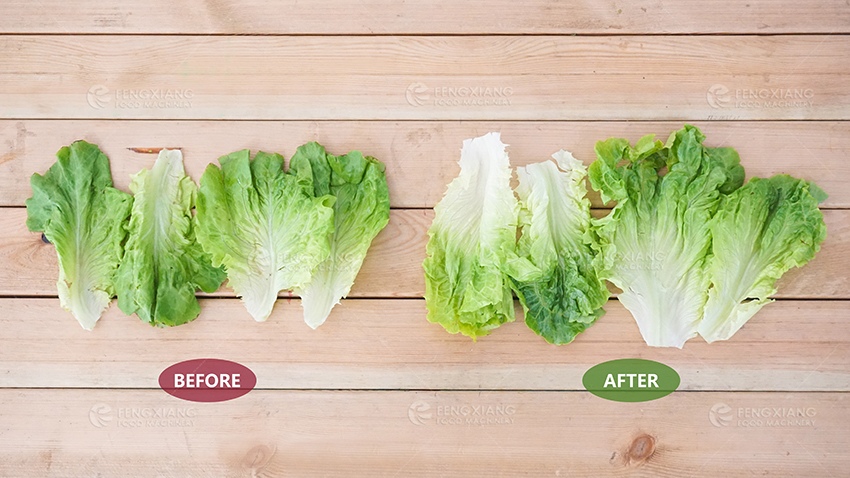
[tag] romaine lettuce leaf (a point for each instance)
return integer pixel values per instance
(78, 210)
(264, 225)
(361, 211)
(470, 240)
(558, 287)
(163, 264)
(654, 244)
(759, 232)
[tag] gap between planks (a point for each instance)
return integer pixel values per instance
(788, 346)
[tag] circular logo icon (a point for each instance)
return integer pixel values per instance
(717, 96)
(98, 96)
(417, 94)
(419, 412)
(100, 415)
(720, 415)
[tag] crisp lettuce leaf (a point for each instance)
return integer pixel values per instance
(654, 245)
(361, 211)
(558, 287)
(264, 225)
(163, 265)
(470, 240)
(78, 210)
(759, 232)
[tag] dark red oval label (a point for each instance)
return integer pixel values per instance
(207, 380)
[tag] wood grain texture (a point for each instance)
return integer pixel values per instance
(393, 266)
(438, 78)
(383, 17)
(378, 391)
(421, 156)
(273, 434)
(389, 344)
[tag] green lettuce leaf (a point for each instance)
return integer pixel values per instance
(654, 245)
(558, 287)
(163, 265)
(78, 210)
(264, 225)
(361, 211)
(759, 232)
(470, 240)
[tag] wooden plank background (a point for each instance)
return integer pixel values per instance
(402, 77)
(377, 390)
(28, 265)
(415, 433)
(424, 154)
(426, 17)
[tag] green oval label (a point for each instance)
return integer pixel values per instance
(631, 380)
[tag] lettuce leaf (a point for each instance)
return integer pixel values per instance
(654, 244)
(163, 265)
(470, 241)
(759, 232)
(264, 225)
(558, 287)
(361, 211)
(78, 210)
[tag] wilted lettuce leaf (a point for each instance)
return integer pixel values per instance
(557, 283)
(361, 211)
(654, 245)
(264, 225)
(78, 210)
(163, 265)
(759, 232)
(470, 240)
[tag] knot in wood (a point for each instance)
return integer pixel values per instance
(258, 457)
(641, 449)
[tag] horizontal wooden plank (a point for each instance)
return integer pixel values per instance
(393, 266)
(421, 156)
(59, 433)
(381, 17)
(388, 344)
(504, 77)
(28, 266)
